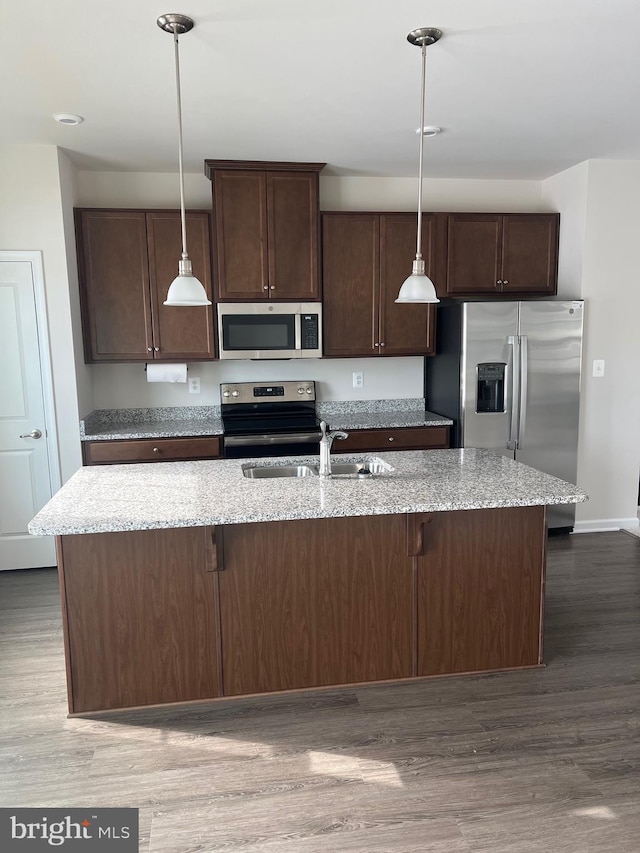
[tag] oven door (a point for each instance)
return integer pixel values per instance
(305, 443)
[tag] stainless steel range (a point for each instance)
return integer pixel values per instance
(274, 419)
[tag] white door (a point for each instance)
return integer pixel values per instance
(25, 396)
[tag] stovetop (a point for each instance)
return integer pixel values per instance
(249, 407)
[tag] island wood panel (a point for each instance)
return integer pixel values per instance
(240, 210)
(114, 285)
(351, 284)
(293, 238)
(402, 438)
(405, 329)
(141, 623)
(180, 332)
(317, 602)
(530, 253)
(479, 592)
(150, 450)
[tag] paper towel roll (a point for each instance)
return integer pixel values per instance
(160, 372)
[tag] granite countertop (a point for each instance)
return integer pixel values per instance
(100, 499)
(167, 422)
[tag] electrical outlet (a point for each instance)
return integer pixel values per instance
(194, 384)
(598, 367)
(358, 379)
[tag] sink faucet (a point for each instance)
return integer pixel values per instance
(325, 448)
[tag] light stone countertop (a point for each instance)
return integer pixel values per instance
(101, 499)
(391, 419)
(175, 428)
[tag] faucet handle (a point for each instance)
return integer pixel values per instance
(323, 428)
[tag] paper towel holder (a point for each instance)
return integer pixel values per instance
(154, 362)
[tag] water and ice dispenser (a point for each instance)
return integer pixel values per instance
(490, 388)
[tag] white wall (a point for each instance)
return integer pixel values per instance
(31, 218)
(609, 448)
(567, 193)
(124, 386)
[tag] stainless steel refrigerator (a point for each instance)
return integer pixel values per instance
(508, 373)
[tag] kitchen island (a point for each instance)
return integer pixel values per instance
(188, 581)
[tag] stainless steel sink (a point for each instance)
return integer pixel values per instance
(260, 473)
(362, 469)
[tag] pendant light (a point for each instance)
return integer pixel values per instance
(185, 289)
(418, 287)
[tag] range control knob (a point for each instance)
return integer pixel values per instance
(309, 390)
(226, 393)
(235, 393)
(301, 390)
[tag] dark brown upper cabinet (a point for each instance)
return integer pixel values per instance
(126, 261)
(502, 254)
(365, 259)
(266, 229)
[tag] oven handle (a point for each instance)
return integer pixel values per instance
(278, 438)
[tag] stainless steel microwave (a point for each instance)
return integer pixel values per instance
(270, 329)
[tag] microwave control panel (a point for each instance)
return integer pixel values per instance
(309, 331)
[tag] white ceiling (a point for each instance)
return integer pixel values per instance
(522, 88)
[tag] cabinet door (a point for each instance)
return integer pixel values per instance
(179, 332)
(140, 618)
(240, 211)
(292, 220)
(291, 618)
(404, 438)
(114, 285)
(530, 253)
(474, 254)
(351, 283)
(480, 578)
(405, 329)
(150, 450)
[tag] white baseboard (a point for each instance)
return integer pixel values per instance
(603, 525)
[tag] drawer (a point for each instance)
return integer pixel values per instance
(150, 450)
(405, 438)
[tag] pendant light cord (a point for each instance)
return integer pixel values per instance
(183, 218)
(421, 134)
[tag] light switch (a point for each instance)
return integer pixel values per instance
(598, 367)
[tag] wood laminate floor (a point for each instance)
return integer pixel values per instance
(539, 760)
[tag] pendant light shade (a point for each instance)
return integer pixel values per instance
(185, 289)
(418, 287)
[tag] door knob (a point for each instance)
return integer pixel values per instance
(35, 433)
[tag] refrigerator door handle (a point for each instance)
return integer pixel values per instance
(514, 376)
(524, 371)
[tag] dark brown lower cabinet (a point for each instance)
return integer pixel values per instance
(318, 602)
(160, 616)
(140, 622)
(479, 592)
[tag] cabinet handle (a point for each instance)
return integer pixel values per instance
(214, 554)
(265, 287)
(149, 349)
(506, 281)
(499, 282)
(156, 450)
(391, 438)
(156, 349)
(381, 344)
(272, 287)
(415, 533)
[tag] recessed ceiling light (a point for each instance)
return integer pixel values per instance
(430, 130)
(68, 118)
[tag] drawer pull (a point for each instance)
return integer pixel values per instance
(391, 438)
(156, 450)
